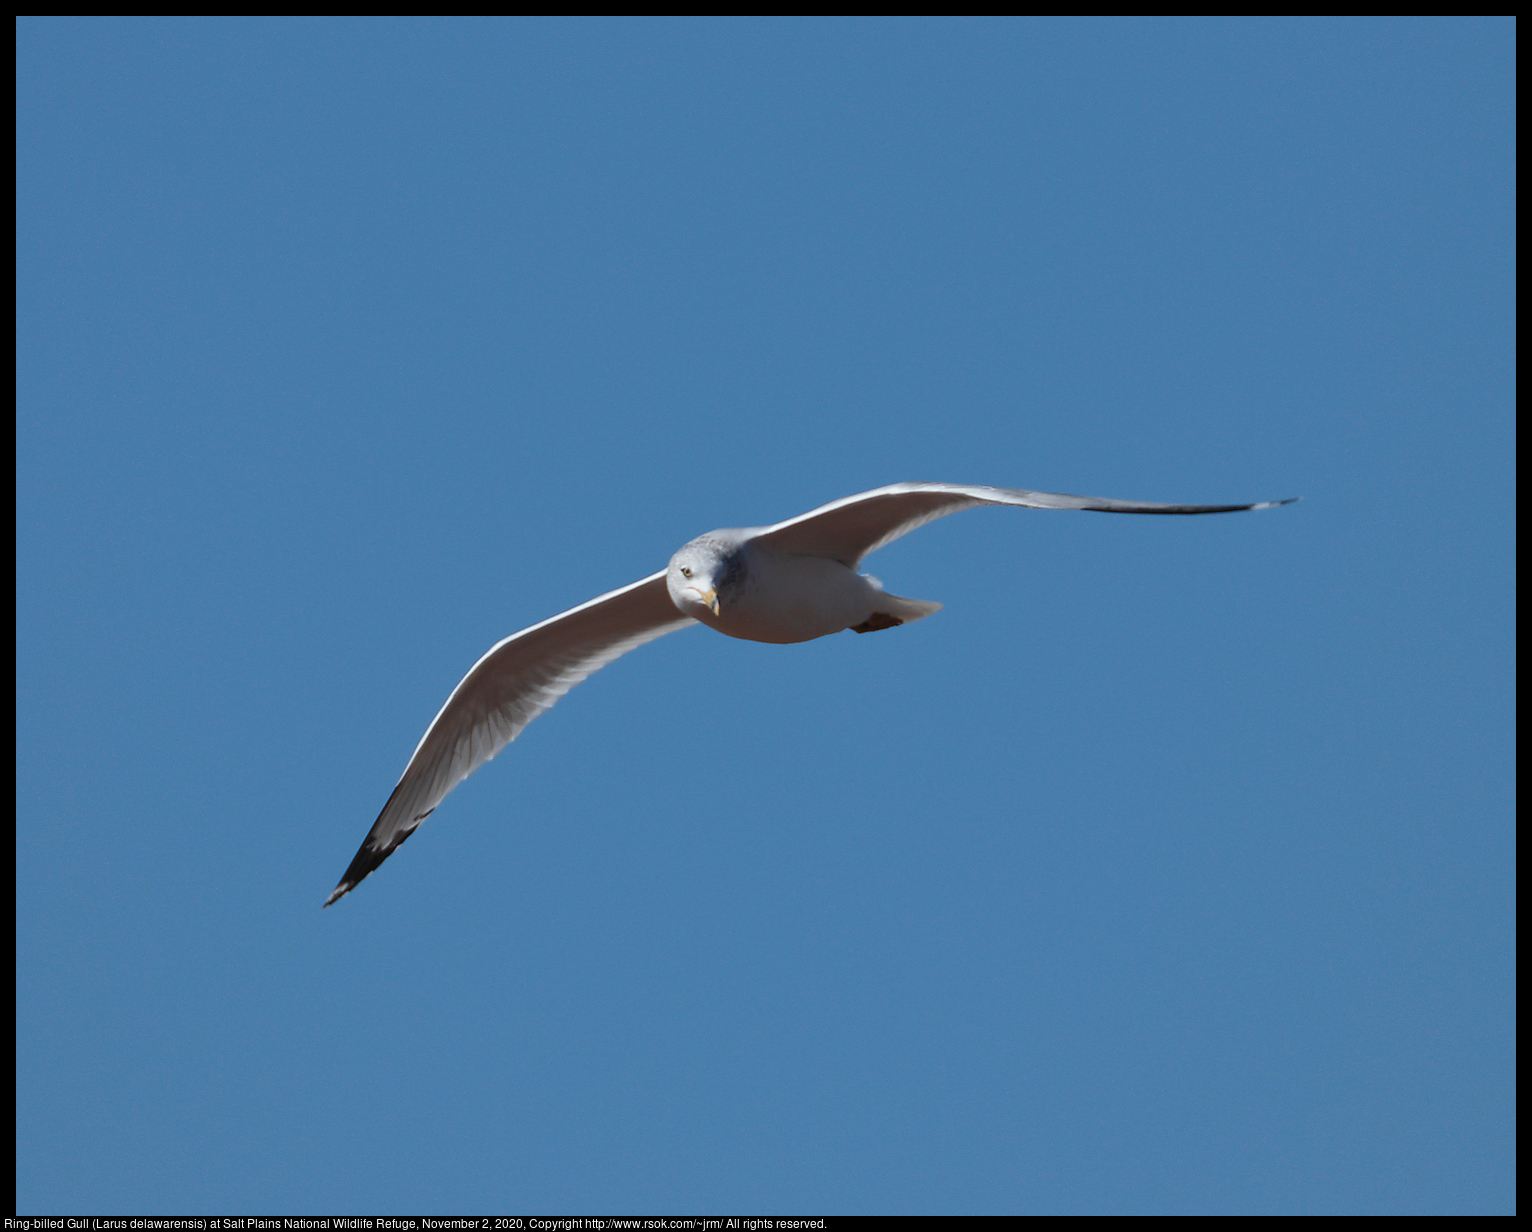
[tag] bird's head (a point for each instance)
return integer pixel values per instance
(704, 573)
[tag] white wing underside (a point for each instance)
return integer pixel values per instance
(849, 529)
(505, 690)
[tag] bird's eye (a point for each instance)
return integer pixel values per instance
(685, 572)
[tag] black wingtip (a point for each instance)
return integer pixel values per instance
(364, 862)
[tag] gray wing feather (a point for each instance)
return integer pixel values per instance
(505, 690)
(849, 529)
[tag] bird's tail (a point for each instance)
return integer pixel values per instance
(893, 610)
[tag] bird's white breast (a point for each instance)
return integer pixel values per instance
(793, 599)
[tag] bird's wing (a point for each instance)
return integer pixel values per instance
(510, 686)
(848, 529)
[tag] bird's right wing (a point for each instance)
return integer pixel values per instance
(510, 686)
(848, 529)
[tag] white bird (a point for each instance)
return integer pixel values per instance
(791, 582)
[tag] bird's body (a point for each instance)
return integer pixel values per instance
(791, 582)
(769, 596)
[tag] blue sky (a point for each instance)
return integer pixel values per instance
(1167, 870)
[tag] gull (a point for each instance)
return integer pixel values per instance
(791, 582)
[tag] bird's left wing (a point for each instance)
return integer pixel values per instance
(848, 529)
(510, 686)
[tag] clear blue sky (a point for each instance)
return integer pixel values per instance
(1167, 870)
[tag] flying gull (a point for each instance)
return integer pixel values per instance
(791, 582)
